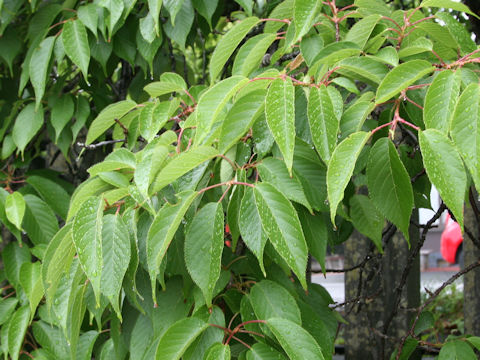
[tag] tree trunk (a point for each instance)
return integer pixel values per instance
(377, 296)
(471, 280)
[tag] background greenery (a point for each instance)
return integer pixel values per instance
(169, 166)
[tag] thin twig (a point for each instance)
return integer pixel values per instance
(100, 144)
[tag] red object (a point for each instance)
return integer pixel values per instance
(228, 243)
(227, 229)
(450, 240)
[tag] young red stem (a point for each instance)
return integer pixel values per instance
(346, 7)
(381, 127)
(264, 78)
(468, 55)
(224, 193)
(413, 102)
(408, 124)
(391, 20)
(242, 342)
(190, 96)
(414, 87)
(233, 318)
(179, 140)
(251, 332)
(412, 13)
(421, 20)
(224, 183)
(347, 15)
(286, 21)
(239, 326)
(232, 164)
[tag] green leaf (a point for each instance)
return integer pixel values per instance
(474, 341)
(373, 6)
(61, 113)
(88, 15)
(448, 4)
(273, 171)
(52, 193)
(39, 66)
(7, 307)
(312, 174)
(39, 221)
(92, 186)
(304, 14)
(87, 237)
(182, 164)
(31, 281)
(218, 351)
(270, 300)
(115, 8)
(456, 350)
(440, 101)
(10, 47)
(203, 248)
(425, 322)
(324, 124)
(75, 42)
(415, 47)
(161, 233)
(206, 8)
(364, 69)
(280, 116)
(212, 102)
(316, 234)
(148, 167)
(227, 45)
(240, 118)
(316, 325)
(17, 330)
(280, 222)
(401, 77)
(366, 218)
(250, 226)
(118, 159)
(85, 344)
(247, 5)
(462, 37)
(296, 341)
(155, 6)
(310, 46)
(250, 55)
(14, 257)
(337, 51)
(354, 117)
(465, 130)
(389, 184)
(445, 170)
(178, 337)
(107, 117)
(341, 166)
(57, 260)
(387, 55)
(115, 257)
(28, 122)
(173, 7)
(260, 351)
(178, 30)
(211, 336)
(101, 51)
(15, 209)
(361, 31)
(147, 28)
